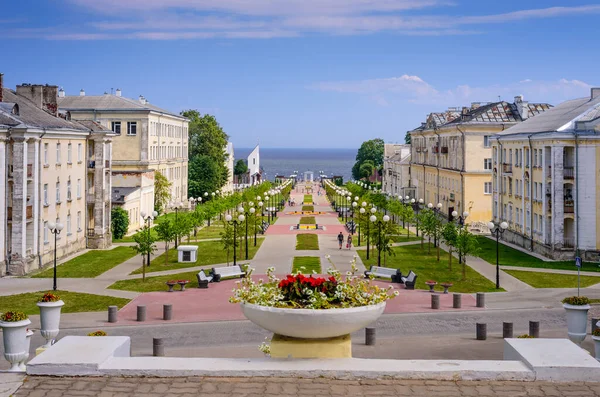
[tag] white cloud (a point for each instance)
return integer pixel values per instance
(414, 89)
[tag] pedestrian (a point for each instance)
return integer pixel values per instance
(349, 241)
(341, 239)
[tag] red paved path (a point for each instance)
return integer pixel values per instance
(285, 229)
(212, 304)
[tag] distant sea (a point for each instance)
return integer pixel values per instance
(286, 161)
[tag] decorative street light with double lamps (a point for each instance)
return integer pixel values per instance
(147, 220)
(379, 223)
(247, 214)
(55, 229)
(373, 211)
(348, 201)
(417, 205)
(461, 223)
(176, 207)
(497, 229)
(354, 205)
(235, 223)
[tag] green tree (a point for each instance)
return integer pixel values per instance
(119, 222)
(162, 191)
(144, 245)
(449, 236)
(240, 168)
(428, 225)
(227, 239)
(406, 215)
(203, 176)
(366, 170)
(371, 150)
(166, 233)
(467, 244)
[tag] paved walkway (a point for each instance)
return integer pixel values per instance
(292, 387)
(554, 271)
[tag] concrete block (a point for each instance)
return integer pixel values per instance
(79, 355)
(286, 347)
(557, 360)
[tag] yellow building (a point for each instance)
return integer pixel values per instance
(451, 159)
(546, 177)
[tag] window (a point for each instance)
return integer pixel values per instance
(68, 224)
(58, 153)
(78, 188)
(69, 154)
(535, 157)
(487, 164)
(46, 232)
(79, 152)
(45, 154)
(69, 190)
(78, 221)
(45, 194)
(487, 187)
(58, 192)
(486, 141)
(131, 127)
(116, 127)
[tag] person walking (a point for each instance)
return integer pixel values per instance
(349, 241)
(341, 239)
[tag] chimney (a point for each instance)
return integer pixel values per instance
(522, 107)
(43, 96)
(595, 90)
(118, 93)
(475, 105)
(82, 92)
(61, 93)
(142, 100)
(1, 85)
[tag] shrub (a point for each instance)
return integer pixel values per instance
(576, 300)
(49, 297)
(13, 316)
(119, 222)
(97, 333)
(525, 336)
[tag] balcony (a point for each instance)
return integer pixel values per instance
(92, 164)
(444, 149)
(28, 212)
(507, 168)
(569, 173)
(569, 209)
(549, 172)
(29, 170)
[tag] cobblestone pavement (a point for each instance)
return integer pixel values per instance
(255, 387)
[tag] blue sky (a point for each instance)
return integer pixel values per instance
(307, 73)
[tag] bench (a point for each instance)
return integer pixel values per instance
(226, 272)
(409, 280)
(203, 279)
(263, 227)
(351, 226)
(384, 272)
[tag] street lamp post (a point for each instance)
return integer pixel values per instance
(235, 223)
(247, 214)
(176, 208)
(461, 223)
(147, 220)
(55, 229)
(373, 211)
(439, 209)
(267, 208)
(379, 223)
(354, 205)
(497, 229)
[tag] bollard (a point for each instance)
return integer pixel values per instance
(595, 324)
(167, 312)
(507, 330)
(112, 314)
(481, 329)
(480, 299)
(435, 301)
(141, 313)
(456, 301)
(369, 336)
(534, 329)
(158, 348)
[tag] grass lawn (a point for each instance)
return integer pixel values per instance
(309, 263)
(209, 253)
(552, 280)
(308, 220)
(75, 302)
(426, 266)
(129, 239)
(156, 283)
(512, 257)
(309, 208)
(307, 241)
(400, 238)
(90, 264)
(308, 199)
(212, 231)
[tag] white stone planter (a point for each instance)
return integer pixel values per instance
(15, 340)
(577, 320)
(312, 324)
(596, 346)
(28, 336)
(50, 320)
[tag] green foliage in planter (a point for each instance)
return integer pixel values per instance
(596, 332)
(13, 316)
(49, 297)
(576, 300)
(525, 336)
(97, 333)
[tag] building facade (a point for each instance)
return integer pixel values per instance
(146, 137)
(53, 169)
(546, 176)
(230, 164)
(451, 158)
(396, 170)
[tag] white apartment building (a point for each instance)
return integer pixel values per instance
(396, 169)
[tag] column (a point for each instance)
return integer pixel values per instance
(558, 199)
(19, 216)
(99, 187)
(36, 200)
(3, 203)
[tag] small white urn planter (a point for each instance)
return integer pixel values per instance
(14, 334)
(50, 320)
(596, 346)
(577, 319)
(28, 336)
(311, 323)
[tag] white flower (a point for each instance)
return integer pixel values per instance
(327, 256)
(396, 293)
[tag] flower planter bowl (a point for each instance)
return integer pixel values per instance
(50, 320)
(310, 323)
(14, 334)
(431, 284)
(577, 318)
(446, 286)
(28, 336)
(182, 284)
(596, 346)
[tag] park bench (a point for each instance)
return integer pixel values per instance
(264, 227)
(226, 272)
(384, 272)
(351, 226)
(203, 279)
(409, 280)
